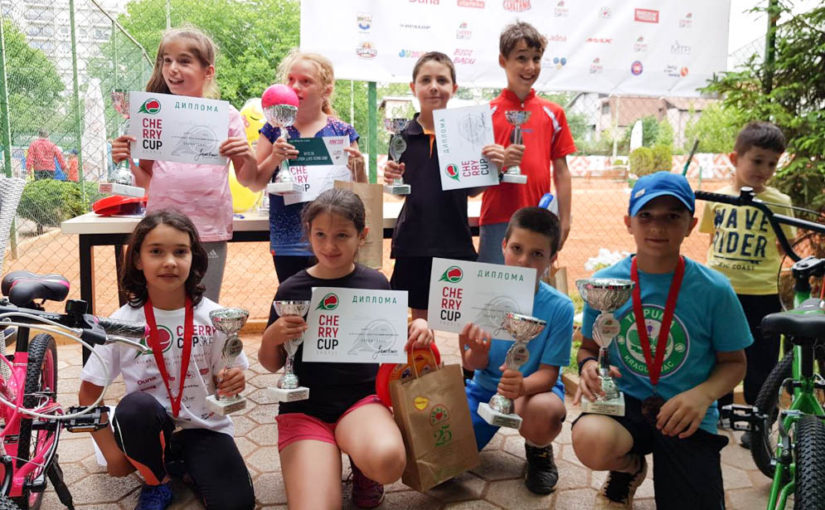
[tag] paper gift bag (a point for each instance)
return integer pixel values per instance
(372, 253)
(434, 418)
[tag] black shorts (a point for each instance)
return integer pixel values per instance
(687, 473)
(413, 275)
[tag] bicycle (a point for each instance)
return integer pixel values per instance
(788, 445)
(32, 418)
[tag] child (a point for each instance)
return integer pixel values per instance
(670, 401)
(744, 248)
(157, 430)
(313, 79)
(432, 222)
(342, 414)
(547, 141)
(185, 65)
(531, 240)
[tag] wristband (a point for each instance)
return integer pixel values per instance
(585, 360)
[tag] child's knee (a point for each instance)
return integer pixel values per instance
(593, 442)
(386, 463)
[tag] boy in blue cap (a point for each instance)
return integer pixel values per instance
(670, 393)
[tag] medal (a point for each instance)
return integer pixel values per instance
(650, 408)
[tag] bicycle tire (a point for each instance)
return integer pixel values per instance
(810, 464)
(763, 438)
(41, 379)
(7, 504)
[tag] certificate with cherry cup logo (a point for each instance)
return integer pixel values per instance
(356, 326)
(462, 292)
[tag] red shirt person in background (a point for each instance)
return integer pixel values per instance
(41, 156)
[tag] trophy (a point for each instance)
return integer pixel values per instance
(288, 389)
(280, 105)
(120, 181)
(516, 118)
(396, 148)
(499, 412)
(228, 321)
(605, 295)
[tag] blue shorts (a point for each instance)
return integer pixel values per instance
(484, 431)
(489, 243)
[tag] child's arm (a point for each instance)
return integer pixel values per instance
(682, 414)
(514, 385)
(288, 327)
(356, 163)
(243, 160)
(563, 184)
(268, 156)
(117, 464)
(419, 335)
(474, 345)
(122, 150)
(590, 384)
(393, 170)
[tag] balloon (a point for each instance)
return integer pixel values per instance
(279, 94)
(243, 199)
(253, 119)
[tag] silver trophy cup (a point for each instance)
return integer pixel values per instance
(282, 116)
(228, 321)
(606, 295)
(396, 148)
(120, 182)
(288, 388)
(516, 118)
(499, 411)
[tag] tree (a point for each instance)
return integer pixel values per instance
(664, 134)
(715, 128)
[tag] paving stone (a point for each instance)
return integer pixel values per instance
(465, 486)
(567, 453)
(269, 489)
(572, 476)
(264, 435)
(74, 449)
(513, 494)
(263, 414)
(261, 396)
(101, 488)
(497, 465)
(264, 380)
(573, 499)
(410, 500)
(514, 445)
(471, 505)
(245, 446)
(735, 478)
(265, 459)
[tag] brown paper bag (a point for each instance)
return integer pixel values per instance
(557, 277)
(434, 419)
(372, 253)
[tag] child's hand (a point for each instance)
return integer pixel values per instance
(590, 384)
(283, 149)
(511, 384)
(393, 170)
(234, 147)
(355, 162)
(512, 155)
(231, 381)
(682, 414)
(419, 335)
(495, 153)
(475, 338)
(122, 149)
(288, 327)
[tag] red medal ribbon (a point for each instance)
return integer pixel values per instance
(654, 368)
(157, 351)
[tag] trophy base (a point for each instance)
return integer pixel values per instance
(283, 188)
(612, 407)
(114, 188)
(293, 395)
(497, 419)
(225, 405)
(514, 178)
(397, 189)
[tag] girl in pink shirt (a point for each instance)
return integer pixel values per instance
(185, 65)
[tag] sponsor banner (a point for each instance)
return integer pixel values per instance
(356, 326)
(462, 292)
(460, 134)
(320, 162)
(177, 128)
(661, 48)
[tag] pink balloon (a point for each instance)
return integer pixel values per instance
(279, 94)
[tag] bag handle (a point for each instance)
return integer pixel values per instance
(411, 361)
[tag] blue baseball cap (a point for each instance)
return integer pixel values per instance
(658, 184)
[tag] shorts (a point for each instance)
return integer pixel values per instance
(686, 472)
(413, 275)
(476, 394)
(489, 243)
(301, 427)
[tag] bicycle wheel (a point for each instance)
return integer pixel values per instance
(7, 504)
(810, 464)
(764, 438)
(40, 389)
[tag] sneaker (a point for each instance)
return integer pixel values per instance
(619, 488)
(366, 493)
(542, 473)
(745, 440)
(155, 497)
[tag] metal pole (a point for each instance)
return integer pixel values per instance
(616, 128)
(372, 136)
(770, 45)
(168, 15)
(115, 73)
(5, 111)
(78, 120)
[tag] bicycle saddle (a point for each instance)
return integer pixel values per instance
(23, 287)
(806, 322)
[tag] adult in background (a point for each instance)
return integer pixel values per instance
(41, 157)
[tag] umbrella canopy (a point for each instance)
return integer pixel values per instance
(93, 142)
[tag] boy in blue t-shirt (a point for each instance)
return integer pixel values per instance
(670, 400)
(531, 240)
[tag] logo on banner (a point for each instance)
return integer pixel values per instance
(453, 274)
(640, 45)
(414, 26)
(596, 66)
(680, 49)
(463, 31)
(686, 21)
(676, 71)
(517, 5)
(474, 4)
(330, 302)
(646, 15)
(636, 68)
(410, 53)
(600, 40)
(150, 106)
(557, 38)
(605, 13)
(463, 56)
(559, 62)
(364, 21)
(365, 50)
(427, 2)
(561, 11)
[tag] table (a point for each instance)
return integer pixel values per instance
(93, 230)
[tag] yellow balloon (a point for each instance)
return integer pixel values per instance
(243, 199)
(253, 119)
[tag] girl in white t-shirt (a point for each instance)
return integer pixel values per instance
(162, 426)
(185, 65)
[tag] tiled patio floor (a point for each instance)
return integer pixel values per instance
(496, 483)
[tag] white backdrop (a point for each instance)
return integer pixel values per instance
(647, 47)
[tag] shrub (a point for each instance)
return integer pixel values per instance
(48, 202)
(641, 161)
(662, 158)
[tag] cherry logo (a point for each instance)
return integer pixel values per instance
(150, 106)
(330, 302)
(453, 274)
(452, 171)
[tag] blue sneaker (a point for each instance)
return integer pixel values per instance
(155, 497)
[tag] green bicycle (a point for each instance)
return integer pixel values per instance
(787, 424)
